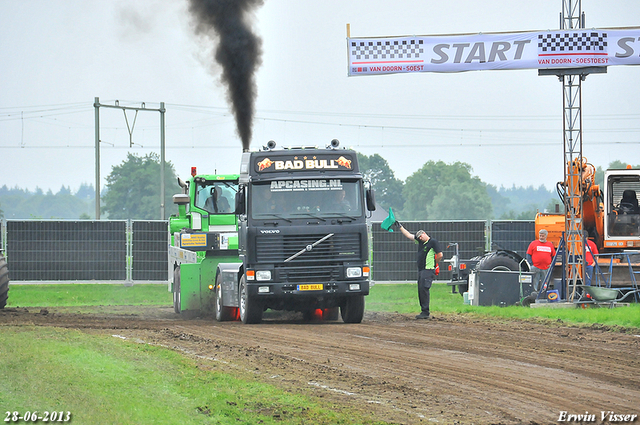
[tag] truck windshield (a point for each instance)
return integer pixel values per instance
(216, 197)
(319, 198)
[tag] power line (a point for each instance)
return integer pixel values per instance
(50, 111)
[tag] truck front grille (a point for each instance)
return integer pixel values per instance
(311, 274)
(338, 248)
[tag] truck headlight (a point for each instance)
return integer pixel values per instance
(354, 272)
(262, 275)
(354, 286)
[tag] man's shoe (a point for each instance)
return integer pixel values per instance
(423, 316)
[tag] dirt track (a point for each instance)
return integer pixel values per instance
(451, 369)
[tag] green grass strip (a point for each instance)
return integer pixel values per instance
(400, 298)
(87, 294)
(105, 380)
(403, 298)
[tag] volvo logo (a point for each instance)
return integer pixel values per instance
(270, 231)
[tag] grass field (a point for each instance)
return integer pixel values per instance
(403, 298)
(88, 294)
(400, 298)
(107, 380)
(104, 380)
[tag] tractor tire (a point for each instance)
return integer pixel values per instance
(223, 314)
(4, 282)
(498, 261)
(352, 310)
(177, 304)
(250, 308)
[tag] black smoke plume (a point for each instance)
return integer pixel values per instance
(238, 51)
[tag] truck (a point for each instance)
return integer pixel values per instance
(300, 241)
(203, 234)
(610, 215)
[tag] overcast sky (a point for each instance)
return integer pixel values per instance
(56, 56)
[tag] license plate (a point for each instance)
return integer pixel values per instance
(314, 287)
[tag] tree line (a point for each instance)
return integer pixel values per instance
(437, 191)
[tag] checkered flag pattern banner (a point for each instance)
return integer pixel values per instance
(561, 48)
(572, 42)
(388, 49)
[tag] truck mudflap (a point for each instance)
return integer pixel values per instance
(227, 276)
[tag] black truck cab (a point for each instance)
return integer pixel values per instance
(302, 232)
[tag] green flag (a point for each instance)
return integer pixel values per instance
(388, 222)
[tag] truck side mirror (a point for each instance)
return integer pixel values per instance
(240, 202)
(371, 200)
(181, 200)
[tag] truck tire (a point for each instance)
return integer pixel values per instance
(177, 304)
(498, 261)
(223, 314)
(353, 309)
(250, 309)
(4, 282)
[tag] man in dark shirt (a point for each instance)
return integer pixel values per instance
(429, 254)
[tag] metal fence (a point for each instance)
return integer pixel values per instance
(394, 256)
(514, 235)
(136, 250)
(115, 250)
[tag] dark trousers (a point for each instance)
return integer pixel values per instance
(425, 278)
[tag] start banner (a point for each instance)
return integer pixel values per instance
(575, 48)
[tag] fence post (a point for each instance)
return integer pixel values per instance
(3, 235)
(129, 262)
(488, 234)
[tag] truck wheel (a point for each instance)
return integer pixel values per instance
(177, 304)
(223, 314)
(250, 309)
(463, 288)
(498, 261)
(353, 309)
(4, 282)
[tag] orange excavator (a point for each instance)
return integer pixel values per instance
(610, 215)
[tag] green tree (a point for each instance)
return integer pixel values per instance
(617, 165)
(437, 181)
(86, 191)
(500, 203)
(387, 187)
(133, 188)
(22, 204)
(551, 206)
(524, 202)
(461, 201)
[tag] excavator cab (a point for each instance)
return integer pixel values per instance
(622, 227)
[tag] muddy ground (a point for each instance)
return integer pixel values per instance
(451, 369)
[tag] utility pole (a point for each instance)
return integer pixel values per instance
(162, 110)
(572, 18)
